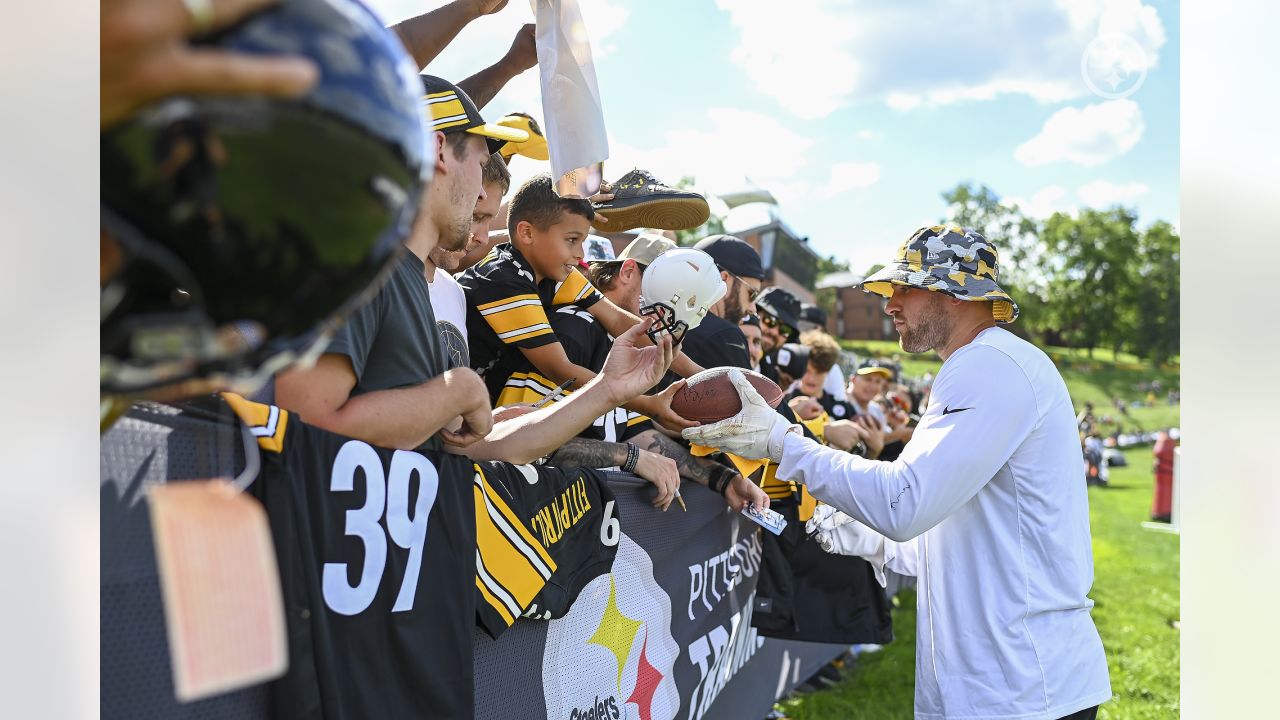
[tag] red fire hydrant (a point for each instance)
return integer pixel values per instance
(1162, 500)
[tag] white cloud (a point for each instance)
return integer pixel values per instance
(867, 135)
(903, 101)
(1043, 203)
(815, 55)
(848, 176)
(1087, 136)
(723, 151)
(1105, 194)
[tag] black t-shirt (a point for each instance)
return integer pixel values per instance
(716, 342)
(507, 310)
(393, 340)
(769, 367)
(586, 343)
(570, 514)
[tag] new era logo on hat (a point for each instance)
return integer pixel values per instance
(450, 111)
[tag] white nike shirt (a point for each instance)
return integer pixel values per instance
(989, 505)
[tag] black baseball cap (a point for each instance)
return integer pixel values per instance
(452, 111)
(733, 255)
(780, 303)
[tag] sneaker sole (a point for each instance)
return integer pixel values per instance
(668, 214)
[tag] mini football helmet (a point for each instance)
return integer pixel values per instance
(678, 289)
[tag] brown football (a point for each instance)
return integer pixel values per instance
(710, 397)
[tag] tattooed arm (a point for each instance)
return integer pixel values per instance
(659, 470)
(704, 471)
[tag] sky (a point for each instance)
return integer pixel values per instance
(857, 114)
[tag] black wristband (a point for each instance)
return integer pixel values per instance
(719, 482)
(633, 458)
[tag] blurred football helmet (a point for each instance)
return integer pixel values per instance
(238, 232)
(678, 289)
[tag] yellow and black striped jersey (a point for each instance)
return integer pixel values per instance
(386, 558)
(507, 310)
(566, 518)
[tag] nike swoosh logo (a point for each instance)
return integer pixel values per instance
(948, 411)
(742, 347)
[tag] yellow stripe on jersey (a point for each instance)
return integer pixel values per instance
(266, 422)
(635, 419)
(493, 602)
(516, 318)
(517, 526)
(527, 387)
(507, 301)
(574, 288)
(511, 566)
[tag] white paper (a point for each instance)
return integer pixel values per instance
(571, 109)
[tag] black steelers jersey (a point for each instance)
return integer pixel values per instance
(573, 519)
(379, 552)
(587, 344)
(507, 310)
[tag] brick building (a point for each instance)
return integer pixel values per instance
(858, 315)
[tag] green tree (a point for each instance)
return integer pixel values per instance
(1090, 266)
(1017, 237)
(1156, 335)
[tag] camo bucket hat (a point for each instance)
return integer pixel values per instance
(951, 260)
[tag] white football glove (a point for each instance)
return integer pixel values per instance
(839, 534)
(755, 433)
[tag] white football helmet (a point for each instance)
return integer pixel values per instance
(678, 289)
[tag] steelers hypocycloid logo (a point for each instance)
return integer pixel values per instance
(612, 656)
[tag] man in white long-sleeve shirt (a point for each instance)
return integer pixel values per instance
(985, 505)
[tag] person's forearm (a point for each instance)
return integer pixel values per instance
(523, 439)
(401, 418)
(697, 469)
(425, 35)
(584, 452)
(484, 85)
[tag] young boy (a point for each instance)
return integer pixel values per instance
(511, 292)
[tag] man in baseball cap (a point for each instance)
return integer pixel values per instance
(779, 311)
(618, 278)
(451, 111)
(718, 341)
(983, 504)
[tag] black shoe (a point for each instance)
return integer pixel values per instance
(641, 200)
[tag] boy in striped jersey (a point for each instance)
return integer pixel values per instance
(512, 291)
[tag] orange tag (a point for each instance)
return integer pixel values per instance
(222, 600)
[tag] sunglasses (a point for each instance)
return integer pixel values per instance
(752, 293)
(770, 321)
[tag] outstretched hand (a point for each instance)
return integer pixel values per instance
(631, 369)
